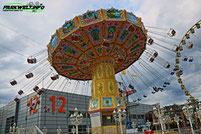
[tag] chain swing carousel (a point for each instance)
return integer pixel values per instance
(97, 46)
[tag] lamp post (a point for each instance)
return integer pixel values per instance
(58, 130)
(45, 130)
(148, 123)
(198, 111)
(119, 116)
(133, 125)
(156, 125)
(21, 130)
(176, 118)
(73, 130)
(167, 120)
(188, 111)
(164, 122)
(88, 129)
(159, 112)
(76, 119)
(13, 129)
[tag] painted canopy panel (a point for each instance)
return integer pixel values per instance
(80, 41)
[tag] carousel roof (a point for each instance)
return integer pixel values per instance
(113, 33)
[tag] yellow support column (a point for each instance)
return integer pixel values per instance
(105, 96)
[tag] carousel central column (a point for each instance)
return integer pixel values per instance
(105, 96)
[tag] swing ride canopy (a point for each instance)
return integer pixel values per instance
(112, 33)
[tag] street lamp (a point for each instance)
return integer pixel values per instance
(73, 130)
(167, 120)
(88, 129)
(45, 130)
(59, 130)
(159, 112)
(119, 116)
(76, 119)
(21, 130)
(198, 111)
(148, 123)
(133, 125)
(188, 111)
(176, 118)
(156, 125)
(12, 130)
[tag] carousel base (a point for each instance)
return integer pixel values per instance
(108, 130)
(103, 123)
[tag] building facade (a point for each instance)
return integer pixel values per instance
(137, 112)
(173, 110)
(52, 109)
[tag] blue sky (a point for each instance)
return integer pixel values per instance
(39, 27)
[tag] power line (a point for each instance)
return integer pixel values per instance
(27, 37)
(13, 51)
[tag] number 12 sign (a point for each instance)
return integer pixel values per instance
(52, 98)
(61, 107)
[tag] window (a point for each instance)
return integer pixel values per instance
(139, 117)
(142, 116)
(9, 122)
(108, 120)
(133, 116)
